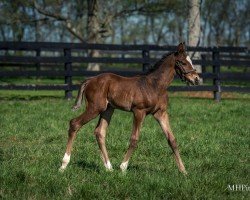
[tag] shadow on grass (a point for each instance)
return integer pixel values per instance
(144, 168)
(90, 166)
(28, 95)
(28, 98)
(209, 95)
(136, 168)
(132, 168)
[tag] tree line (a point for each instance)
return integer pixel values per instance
(224, 22)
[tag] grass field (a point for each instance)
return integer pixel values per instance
(213, 139)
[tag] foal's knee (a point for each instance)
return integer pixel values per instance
(99, 136)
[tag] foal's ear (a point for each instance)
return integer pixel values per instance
(181, 47)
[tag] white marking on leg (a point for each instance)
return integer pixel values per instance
(190, 61)
(124, 166)
(108, 166)
(65, 162)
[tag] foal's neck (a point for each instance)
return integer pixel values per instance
(164, 74)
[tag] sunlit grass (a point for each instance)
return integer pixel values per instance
(213, 139)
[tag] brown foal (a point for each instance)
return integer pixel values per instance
(142, 95)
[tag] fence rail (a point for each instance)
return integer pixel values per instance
(28, 59)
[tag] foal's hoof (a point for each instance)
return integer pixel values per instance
(76, 107)
(61, 169)
(108, 166)
(109, 169)
(124, 167)
(184, 172)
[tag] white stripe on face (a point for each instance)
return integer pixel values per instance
(190, 61)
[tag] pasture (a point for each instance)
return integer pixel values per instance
(213, 139)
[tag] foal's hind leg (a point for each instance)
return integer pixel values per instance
(162, 118)
(74, 126)
(138, 119)
(100, 133)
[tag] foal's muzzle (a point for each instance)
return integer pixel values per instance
(190, 77)
(197, 80)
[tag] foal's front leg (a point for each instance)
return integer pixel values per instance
(162, 118)
(138, 119)
(100, 133)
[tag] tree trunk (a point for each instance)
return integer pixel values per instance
(194, 28)
(93, 32)
(2, 34)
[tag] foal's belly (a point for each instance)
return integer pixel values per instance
(129, 99)
(122, 99)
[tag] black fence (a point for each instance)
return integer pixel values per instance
(68, 60)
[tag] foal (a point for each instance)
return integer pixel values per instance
(142, 95)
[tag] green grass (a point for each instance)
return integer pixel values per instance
(213, 140)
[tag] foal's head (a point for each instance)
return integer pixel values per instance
(184, 67)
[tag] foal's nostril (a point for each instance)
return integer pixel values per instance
(197, 80)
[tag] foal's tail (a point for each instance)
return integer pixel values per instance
(79, 98)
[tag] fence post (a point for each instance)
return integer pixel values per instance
(203, 66)
(38, 64)
(68, 73)
(216, 70)
(146, 64)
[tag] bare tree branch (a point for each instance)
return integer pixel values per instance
(73, 31)
(49, 14)
(67, 22)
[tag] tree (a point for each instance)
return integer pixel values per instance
(224, 22)
(194, 28)
(93, 31)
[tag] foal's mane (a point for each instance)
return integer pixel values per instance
(158, 63)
